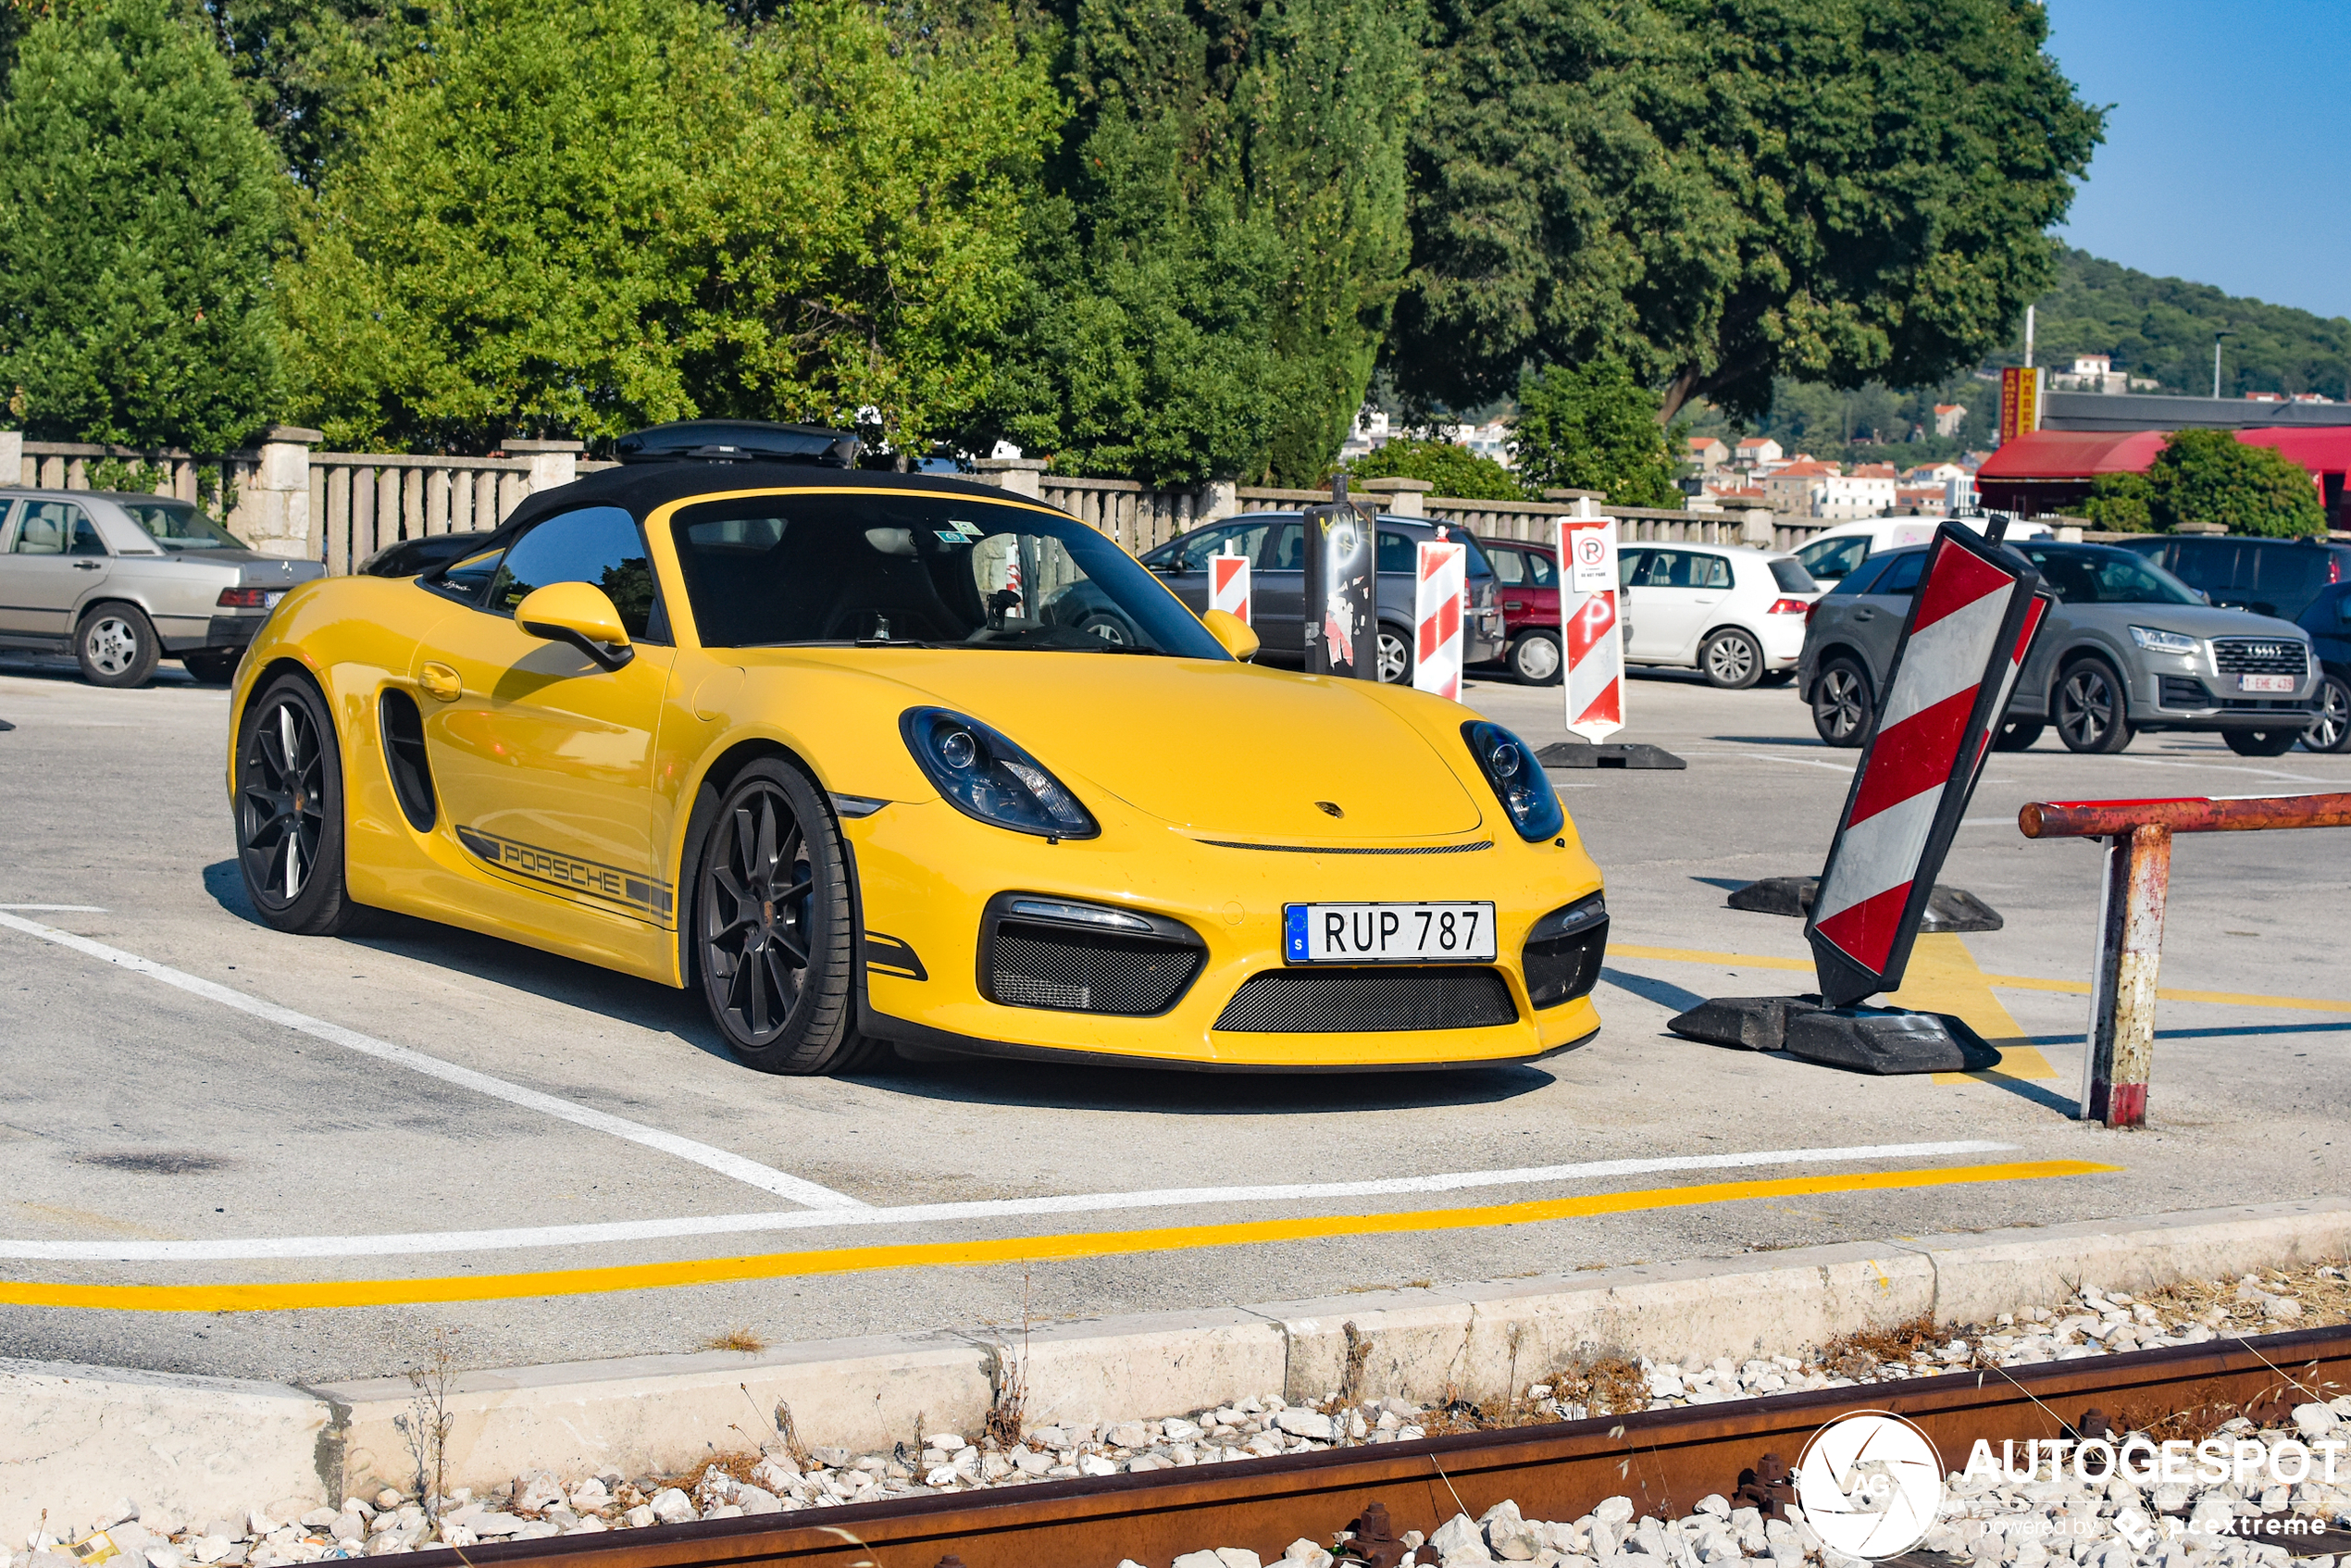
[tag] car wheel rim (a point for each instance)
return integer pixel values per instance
(1538, 658)
(1729, 660)
(114, 647)
(282, 802)
(757, 902)
(2088, 708)
(1391, 658)
(1108, 630)
(1842, 692)
(2327, 730)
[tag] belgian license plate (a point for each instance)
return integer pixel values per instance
(1387, 933)
(2282, 684)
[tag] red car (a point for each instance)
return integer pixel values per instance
(1527, 584)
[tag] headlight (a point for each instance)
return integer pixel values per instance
(984, 775)
(1518, 779)
(2156, 642)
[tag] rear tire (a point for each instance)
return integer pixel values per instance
(211, 669)
(2018, 734)
(1534, 658)
(2093, 717)
(1395, 658)
(1776, 677)
(1843, 708)
(2260, 742)
(115, 645)
(289, 813)
(773, 934)
(1731, 660)
(2331, 726)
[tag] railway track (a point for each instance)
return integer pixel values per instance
(1664, 1460)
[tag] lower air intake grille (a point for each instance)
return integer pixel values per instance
(2178, 692)
(1563, 952)
(1068, 971)
(1367, 1001)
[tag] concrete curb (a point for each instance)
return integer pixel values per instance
(93, 1431)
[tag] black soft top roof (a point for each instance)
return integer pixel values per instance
(643, 488)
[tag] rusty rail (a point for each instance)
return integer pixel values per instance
(2120, 1060)
(1665, 1461)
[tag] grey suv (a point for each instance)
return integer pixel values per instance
(2127, 647)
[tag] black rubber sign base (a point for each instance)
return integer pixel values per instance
(1882, 1040)
(1616, 753)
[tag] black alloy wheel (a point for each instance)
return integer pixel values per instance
(2331, 726)
(2017, 734)
(773, 927)
(2260, 742)
(1843, 709)
(2091, 714)
(1731, 660)
(289, 810)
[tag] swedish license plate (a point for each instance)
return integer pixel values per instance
(2282, 684)
(1387, 933)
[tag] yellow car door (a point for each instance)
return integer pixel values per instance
(543, 758)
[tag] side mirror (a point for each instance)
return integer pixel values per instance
(580, 613)
(1233, 633)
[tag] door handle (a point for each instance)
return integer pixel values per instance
(440, 682)
(1865, 613)
(88, 565)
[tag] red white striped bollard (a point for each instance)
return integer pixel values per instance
(1228, 585)
(1440, 599)
(1595, 679)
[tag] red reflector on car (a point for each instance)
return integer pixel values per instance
(244, 598)
(1810, 610)
(1790, 607)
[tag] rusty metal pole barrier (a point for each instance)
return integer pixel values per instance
(2120, 1058)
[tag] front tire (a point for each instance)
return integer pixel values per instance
(2331, 726)
(289, 813)
(1731, 660)
(210, 669)
(773, 931)
(2091, 716)
(2260, 742)
(1534, 658)
(1843, 709)
(1395, 656)
(115, 645)
(2017, 734)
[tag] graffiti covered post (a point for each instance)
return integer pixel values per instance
(1341, 612)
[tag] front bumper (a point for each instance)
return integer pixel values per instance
(925, 875)
(2190, 702)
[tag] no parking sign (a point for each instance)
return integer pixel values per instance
(1589, 625)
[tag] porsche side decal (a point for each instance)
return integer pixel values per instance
(890, 955)
(569, 871)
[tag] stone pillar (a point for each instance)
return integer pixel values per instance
(1583, 503)
(1018, 475)
(551, 462)
(1402, 496)
(273, 510)
(1760, 529)
(1218, 498)
(12, 457)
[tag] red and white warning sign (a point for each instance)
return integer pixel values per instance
(1971, 626)
(1440, 603)
(1228, 585)
(1595, 678)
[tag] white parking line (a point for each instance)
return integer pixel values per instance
(748, 1172)
(913, 1213)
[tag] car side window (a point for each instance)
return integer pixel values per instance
(1539, 569)
(1508, 565)
(1397, 552)
(1237, 539)
(1835, 557)
(598, 545)
(2206, 563)
(1901, 580)
(49, 528)
(1632, 567)
(1710, 571)
(85, 537)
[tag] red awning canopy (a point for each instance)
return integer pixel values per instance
(2073, 455)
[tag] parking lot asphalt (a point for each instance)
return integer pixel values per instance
(227, 1151)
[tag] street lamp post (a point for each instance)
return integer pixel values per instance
(2216, 360)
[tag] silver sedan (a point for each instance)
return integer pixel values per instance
(122, 580)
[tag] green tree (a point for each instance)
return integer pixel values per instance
(2212, 476)
(626, 211)
(1592, 427)
(140, 211)
(307, 68)
(1719, 191)
(1454, 470)
(2124, 503)
(1219, 244)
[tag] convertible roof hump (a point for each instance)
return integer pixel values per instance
(738, 440)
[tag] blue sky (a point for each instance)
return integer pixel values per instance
(2223, 145)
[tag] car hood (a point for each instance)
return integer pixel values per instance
(2189, 621)
(1216, 749)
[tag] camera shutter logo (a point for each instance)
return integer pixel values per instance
(1870, 1483)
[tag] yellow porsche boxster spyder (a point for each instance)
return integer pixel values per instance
(884, 761)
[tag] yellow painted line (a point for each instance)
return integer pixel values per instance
(2227, 999)
(302, 1295)
(1943, 977)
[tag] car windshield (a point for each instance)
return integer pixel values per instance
(910, 568)
(180, 525)
(2095, 574)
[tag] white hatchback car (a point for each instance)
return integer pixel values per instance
(1736, 614)
(1833, 554)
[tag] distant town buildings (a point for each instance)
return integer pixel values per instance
(2096, 372)
(1755, 451)
(1707, 452)
(1949, 418)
